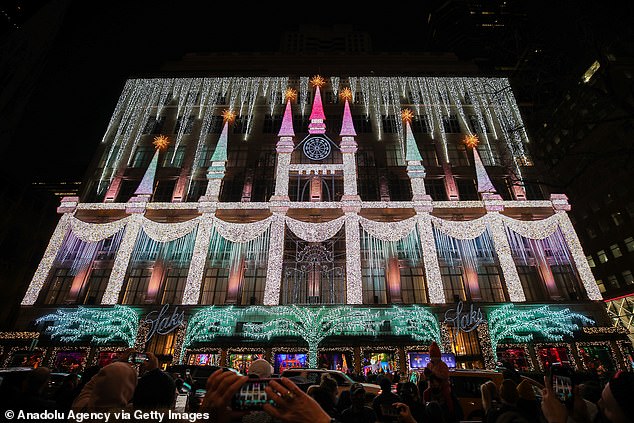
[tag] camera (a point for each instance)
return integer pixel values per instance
(137, 358)
(251, 395)
(561, 382)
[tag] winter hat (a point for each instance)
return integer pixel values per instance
(434, 351)
(260, 368)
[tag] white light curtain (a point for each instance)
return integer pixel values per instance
(315, 232)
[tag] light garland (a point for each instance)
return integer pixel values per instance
(95, 232)
(118, 324)
(241, 232)
(568, 346)
(415, 321)
(524, 347)
(388, 231)
(19, 335)
(533, 229)
(467, 229)
(625, 348)
(314, 232)
(178, 355)
(142, 335)
(275, 261)
(581, 345)
(604, 330)
(98, 350)
(435, 289)
(521, 325)
(11, 353)
(354, 282)
(486, 347)
(505, 258)
(166, 232)
(313, 325)
(191, 293)
(120, 266)
(52, 355)
(210, 323)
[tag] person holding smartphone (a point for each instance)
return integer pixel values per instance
(156, 389)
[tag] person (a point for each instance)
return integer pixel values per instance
(507, 411)
(291, 404)
(411, 397)
(66, 393)
(345, 397)
(260, 369)
(490, 397)
(527, 403)
(32, 396)
(111, 389)
(382, 404)
(615, 405)
(439, 388)
(326, 395)
(156, 389)
(358, 411)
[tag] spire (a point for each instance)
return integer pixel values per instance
(317, 116)
(220, 153)
(411, 149)
(484, 183)
(146, 187)
(347, 126)
(287, 123)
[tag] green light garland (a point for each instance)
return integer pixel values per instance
(416, 322)
(209, 323)
(313, 325)
(507, 322)
(119, 323)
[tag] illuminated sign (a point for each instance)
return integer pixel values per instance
(162, 322)
(464, 320)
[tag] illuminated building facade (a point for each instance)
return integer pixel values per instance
(340, 221)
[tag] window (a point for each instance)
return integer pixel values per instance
(591, 232)
(435, 187)
(174, 160)
(174, 286)
(533, 191)
(453, 284)
(617, 218)
(450, 124)
(627, 277)
(136, 288)
(189, 124)
(59, 286)
(240, 125)
(394, 155)
(615, 250)
(602, 256)
(613, 282)
(490, 284)
(531, 283)
(591, 261)
(237, 156)
(566, 281)
(419, 125)
(154, 125)
(216, 124)
(362, 124)
(253, 285)
(629, 244)
(467, 189)
(374, 289)
(428, 151)
(204, 160)
(96, 286)
(475, 125)
(457, 153)
(164, 191)
(604, 225)
(601, 286)
(388, 122)
(214, 289)
(412, 285)
(272, 124)
(142, 156)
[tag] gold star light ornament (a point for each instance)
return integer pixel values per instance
(290, 94)
(407, 115)
(471, 141)
(317, 81)
(161, 142)
(346, 94)
(228, 116)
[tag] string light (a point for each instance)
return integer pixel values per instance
(521, 325)
(52, 357)
(19, 335)
(579, 346)
(13, 350)
(568, 346)
(416, 322)
(524, 348)
(117, 324)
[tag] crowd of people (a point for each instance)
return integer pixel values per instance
(121, 385)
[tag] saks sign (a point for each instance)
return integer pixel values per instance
(162, 322)
(464, 320)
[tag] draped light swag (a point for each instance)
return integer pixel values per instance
(462, 229)
(533, 229)
(315, 232)
(241, 232)
(166, 232)
(95, 232)
(388, 231)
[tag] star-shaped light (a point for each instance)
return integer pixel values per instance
(407, 115)
(317, 81)
(228, 116)
(346, 94)
(471, 141)
(290, 94)
(161, 142)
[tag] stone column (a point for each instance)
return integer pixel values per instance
(275, 258)
(122, 260)
(435, 289)
(191, 294)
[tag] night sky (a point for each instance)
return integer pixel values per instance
(101, 44)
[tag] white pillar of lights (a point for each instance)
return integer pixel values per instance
(435, 289)
(122, 259)
(494, 205)
(275, 257)
(284, 149)
(561, 206)
(348, 151)
(354, 286)
(67, 207)
(199, 258)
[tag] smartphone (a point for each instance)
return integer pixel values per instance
(390, 410)
(561, 382)
(251, 395)
(137, 358)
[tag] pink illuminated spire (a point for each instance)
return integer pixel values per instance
(287, 123)
(347, 126)
(317, 116)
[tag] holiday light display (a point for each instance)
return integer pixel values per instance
(312, 325)
(210, 323)
(522, 325)
(101, 326)
(414, 321)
